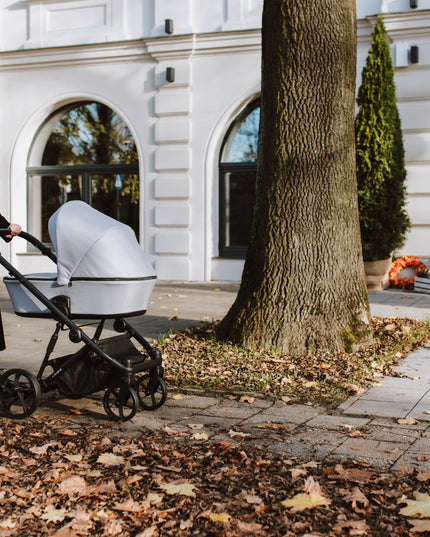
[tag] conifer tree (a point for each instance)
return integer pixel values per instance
(381, 173)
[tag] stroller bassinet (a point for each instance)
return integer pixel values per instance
(102, 273)
(100, 267)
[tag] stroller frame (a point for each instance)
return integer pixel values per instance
(117, 361)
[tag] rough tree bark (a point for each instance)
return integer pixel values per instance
(303, 286)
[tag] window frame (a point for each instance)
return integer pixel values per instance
(224, 167)
(86, 171)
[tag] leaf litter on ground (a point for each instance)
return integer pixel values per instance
(195, 360)
(220, 488)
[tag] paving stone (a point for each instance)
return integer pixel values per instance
(210, 421)
(342, 423)
(393, 423)
(226, 410)
(387, 409)
(363, 448)
(290, 413)
(191, 401)
(409, 461)
(421, 445)
(385, 434)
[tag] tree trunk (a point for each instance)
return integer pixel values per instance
(303, 286)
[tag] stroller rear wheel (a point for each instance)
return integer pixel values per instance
(151, 392)
(19, 393)
(120, 403)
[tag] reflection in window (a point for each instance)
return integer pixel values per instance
(90, 155)
(238, 170)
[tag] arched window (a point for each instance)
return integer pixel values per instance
(84, 151)
(237, 175)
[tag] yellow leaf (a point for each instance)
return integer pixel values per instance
(218, 517)
(419, 507)
(183, 489)
(73, 458)
(200, 436)
(109, 459)
(237, 433)
(152, 499)
(54, 515)
(303, 501)
(177, 396)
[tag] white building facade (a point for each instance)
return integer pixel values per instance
(184, 77)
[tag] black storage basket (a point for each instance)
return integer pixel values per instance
(88, 373)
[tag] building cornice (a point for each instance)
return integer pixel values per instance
(159, 49)
(71, 56)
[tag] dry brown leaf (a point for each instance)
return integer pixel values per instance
(419, 526)
(407, 421)
(356, 496)
(73, 486)
(129, 505)
(312, 487)
(110, 459)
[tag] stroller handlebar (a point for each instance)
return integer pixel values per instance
(34, 241)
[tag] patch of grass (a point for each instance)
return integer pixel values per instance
(195, 360)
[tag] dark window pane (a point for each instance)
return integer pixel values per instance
(52, 191)
(238, 207)
(117, 195)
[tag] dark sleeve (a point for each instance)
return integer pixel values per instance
(3, 225)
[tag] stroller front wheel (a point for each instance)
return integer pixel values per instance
(120, 403)
(19, 393)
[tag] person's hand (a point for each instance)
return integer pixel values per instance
(15, 229)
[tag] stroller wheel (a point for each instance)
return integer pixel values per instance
(19, 393)
(120, 404)
(152, 393)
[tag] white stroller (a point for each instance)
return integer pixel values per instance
(102, 273)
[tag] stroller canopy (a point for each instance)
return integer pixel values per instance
(90, 244)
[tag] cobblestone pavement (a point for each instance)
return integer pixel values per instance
(363, 428)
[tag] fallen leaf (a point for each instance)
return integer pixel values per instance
(247, 399)
(73, 458)
(110, 459)
(238, 433)
(218, 517)
(407, 421)
(419, 507)
(54, 515)
(183, 489)
(303, 501)
(129, 506)
(7, 524)
(177, 396)
(73, 485)
(356, 496)
(421, 525)
(200, 436)
(152, 499)
(41, 450)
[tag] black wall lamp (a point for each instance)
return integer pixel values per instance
(170, 74)
(413, 3)
(168, 25)
(414, 57)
